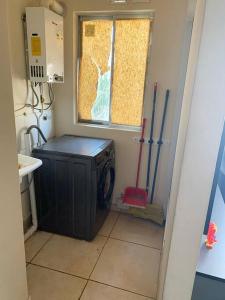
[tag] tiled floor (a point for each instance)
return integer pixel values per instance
(122, 263)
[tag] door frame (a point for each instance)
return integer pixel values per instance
(183, 127)
(200, 132)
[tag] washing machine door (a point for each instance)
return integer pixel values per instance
(106, 185)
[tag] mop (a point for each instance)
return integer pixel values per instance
(153, 212)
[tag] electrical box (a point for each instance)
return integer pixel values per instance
(45, 45)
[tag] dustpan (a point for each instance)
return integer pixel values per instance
(135, 196)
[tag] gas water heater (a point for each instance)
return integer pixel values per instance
(45, 45)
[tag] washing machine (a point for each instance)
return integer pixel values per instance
(74, 186)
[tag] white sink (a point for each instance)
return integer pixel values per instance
(27, 164)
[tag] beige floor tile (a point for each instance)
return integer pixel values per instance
(128, 266)
(138, 231)
(45, 284)
(97, 291)
(34, 244)
(109, 223)
(70, 255)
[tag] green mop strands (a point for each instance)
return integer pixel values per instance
(153, 212)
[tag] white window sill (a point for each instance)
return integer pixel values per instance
(110, 127)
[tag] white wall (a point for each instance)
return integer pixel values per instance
(12, 258)
(167, 66)
(21, 89)
(191, 187)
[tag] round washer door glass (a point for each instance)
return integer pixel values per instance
(106, 185)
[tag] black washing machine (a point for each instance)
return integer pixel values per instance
(74, 186)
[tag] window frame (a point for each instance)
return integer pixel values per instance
(88, 16)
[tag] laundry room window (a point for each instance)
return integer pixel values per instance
(113, 56)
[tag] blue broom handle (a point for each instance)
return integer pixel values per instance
(151, 138)
(160, 142)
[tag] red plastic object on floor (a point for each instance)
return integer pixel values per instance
(135, 196)
(211, 236)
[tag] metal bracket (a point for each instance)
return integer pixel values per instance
(155, 141)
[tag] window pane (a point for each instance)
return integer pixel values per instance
(95, 70)
(131, 48)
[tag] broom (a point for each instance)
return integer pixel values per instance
(153, 212)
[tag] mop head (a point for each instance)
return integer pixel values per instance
(153, 212)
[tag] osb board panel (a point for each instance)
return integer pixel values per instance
(131, 48)
(95, 53)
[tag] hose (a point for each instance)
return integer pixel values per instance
(39, 130)
(35, 94)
